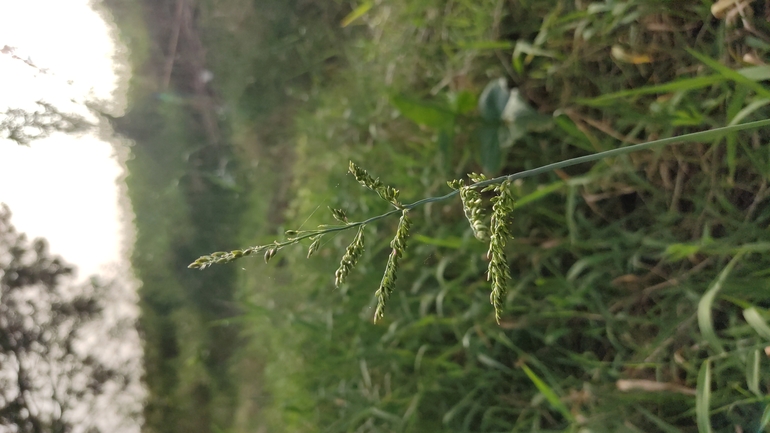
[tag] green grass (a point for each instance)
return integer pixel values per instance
(612, 262)
(647, 269)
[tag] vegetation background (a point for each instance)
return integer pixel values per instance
(641, 283)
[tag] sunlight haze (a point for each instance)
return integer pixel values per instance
(62, 188)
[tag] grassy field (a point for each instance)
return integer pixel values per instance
(640, 292)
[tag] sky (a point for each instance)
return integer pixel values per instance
(62, 188)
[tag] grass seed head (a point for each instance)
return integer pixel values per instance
(314, 246)
(388, 282)
(499, 273)
(473, 206)
(349, 260)
(385, 192)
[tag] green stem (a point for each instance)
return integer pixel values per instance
(687, 138)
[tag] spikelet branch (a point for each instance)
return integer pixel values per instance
(314, 245)
(388, 282)
(221, 257)
(385, 192)
(349, 260)
(473, 205)
(499, 272)
(339, 215)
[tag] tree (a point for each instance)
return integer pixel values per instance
(24, 126)
(48, 381)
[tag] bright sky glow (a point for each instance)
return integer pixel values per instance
(62, 188)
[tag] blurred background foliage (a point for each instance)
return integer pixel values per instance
(641, 284)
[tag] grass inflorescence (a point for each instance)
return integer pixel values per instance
(473, 206)
(497, 234)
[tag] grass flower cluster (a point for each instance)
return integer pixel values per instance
(385, 192)
(497, 233)
(349, 260)
(499, 272)
(472, 205)
(389, 279)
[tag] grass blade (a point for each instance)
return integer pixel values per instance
(754, 106)
(538, 194)
(755, 320)
(752, 373)
(736, 102)
(703, 397)
(674, 86)
(356, 13)
(705, 321)
(570, 214)
(549, 393)
(765, 419)
(756, 73)
(450, 414)
(730, 73)
(736, 116)
(753, 73)
(491, 362)
(662, 425)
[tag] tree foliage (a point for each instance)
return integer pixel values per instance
(24, 126)
(48, 382)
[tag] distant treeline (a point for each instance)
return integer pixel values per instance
(187, 183)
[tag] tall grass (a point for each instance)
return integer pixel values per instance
(639, 284)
